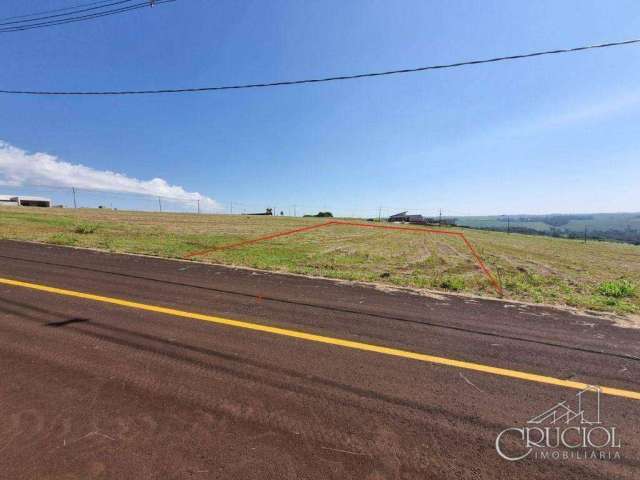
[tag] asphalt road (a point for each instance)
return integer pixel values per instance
(90, 389)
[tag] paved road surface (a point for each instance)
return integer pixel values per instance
(95, 390)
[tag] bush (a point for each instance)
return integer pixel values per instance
(320, 214)
(85, 228)
(453, 283)
(617, 288)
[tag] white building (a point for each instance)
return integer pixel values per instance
(8, 201)
(23, 201)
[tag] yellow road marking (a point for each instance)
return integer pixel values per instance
(477, 367)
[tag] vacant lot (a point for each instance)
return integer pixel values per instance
(596, 275)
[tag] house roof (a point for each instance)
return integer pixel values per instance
(15, 198)
(35, 199)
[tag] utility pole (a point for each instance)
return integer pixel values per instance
(440, 218)
(73, 189)
(160, 203)
(379, 214)
(294, 211)
(198, 206)
(508, 224)
(585, 234)
(230, 208)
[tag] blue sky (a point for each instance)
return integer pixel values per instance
(553, 134)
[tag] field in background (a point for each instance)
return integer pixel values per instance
(597, 275)
(624, 227)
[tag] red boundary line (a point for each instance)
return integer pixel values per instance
(472, 249)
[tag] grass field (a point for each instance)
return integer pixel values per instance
(594, 221)
(596, 275)
(606, 226)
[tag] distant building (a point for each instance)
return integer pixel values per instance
(420, 220)
(34, 202)
(404, 217)
(8, 201)
(20, 201)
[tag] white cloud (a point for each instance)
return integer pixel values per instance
(580, 112)
(20, 168)
(535, 125)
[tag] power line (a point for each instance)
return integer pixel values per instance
(57, 15)
(92, 16)
(325, 79)
(46, 12)
(61, 21)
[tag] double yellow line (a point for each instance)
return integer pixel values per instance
(367, 347)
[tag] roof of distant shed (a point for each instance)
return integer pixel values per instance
(35, 199)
